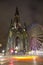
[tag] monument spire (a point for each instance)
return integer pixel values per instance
(17, 12)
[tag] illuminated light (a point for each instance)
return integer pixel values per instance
(16, 48)
(15, 51)
(3, 51)
(32, 52)
(1, 56)
(10, 34)
(23, 29)
(0, 45)
(37, 52)
(11, 63)
(12, 27)
(11, 51)
(4, 59)
(24, 58)
(34, 61)
(15, 25)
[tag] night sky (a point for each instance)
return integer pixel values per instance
(31, 11)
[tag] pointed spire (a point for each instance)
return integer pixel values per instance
(17, 12)
(11, 24)
(11, 21)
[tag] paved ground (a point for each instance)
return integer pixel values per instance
(39, 61)
(23, 63)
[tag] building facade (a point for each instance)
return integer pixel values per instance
(18, 35)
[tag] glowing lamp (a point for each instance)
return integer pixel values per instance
(11, 50)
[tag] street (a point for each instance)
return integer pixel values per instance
(23, 63)
(38, 61)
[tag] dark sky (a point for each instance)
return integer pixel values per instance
(30, 11)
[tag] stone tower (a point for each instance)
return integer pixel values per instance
(18, 36)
